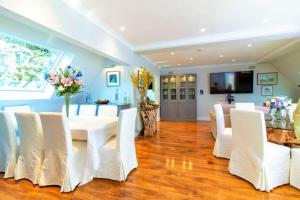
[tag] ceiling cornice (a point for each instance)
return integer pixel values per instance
(273, 54)
(247, 64)
(254, 35)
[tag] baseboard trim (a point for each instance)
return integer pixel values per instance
(203, 119)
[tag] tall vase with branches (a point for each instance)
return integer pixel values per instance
(141, 81)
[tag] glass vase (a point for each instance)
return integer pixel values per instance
(278, 114)
(67, 102)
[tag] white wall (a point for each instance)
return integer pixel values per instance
(289, 65)
(206, 101)
(100, 90)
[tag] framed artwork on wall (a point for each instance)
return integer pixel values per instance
(267, 90)
(270, 78)
(113, 78)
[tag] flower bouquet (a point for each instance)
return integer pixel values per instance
(66, 82)
(278, 106)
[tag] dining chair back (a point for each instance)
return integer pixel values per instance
(245, 106)
(87, 110)
(253, 157)
(295, 165)
(108, 111)
(73, 109)
(8, 145)
(125, 139)
(119, 153)
(219, 118)
(31, 150)
(13, 109)
(62, 166)
(223, 141)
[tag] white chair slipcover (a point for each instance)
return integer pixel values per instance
(295, 168)
(223, 141)
(245, 106)
(87, 110)
(253, 158)
(12, 109)
(118, 155)
(64, 160)
(8, 145)
(31, 150)
(108, 111)
(73, 108)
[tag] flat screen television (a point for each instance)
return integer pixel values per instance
(231, 82)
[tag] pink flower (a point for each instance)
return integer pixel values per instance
(79, 82)
(277, 104)
(53, 79)
(67, 82)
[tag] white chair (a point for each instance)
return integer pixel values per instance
(291, 109)
(253, 158)
(73, 108)
(245, 106)
(118, 155)
(87, 110)
(64, 160)
(223, 141)
(295, 166)
(31, 150)
(108, 111)
(8, 145)
(12, 109)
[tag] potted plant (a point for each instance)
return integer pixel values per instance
(141, 80)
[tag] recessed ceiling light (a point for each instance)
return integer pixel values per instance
(266, 20)
(122, 28)
(250, 45)
(172, 53)
(233, 60)
(191, 58)
(178, 64)
(221, 55)
(202, 30)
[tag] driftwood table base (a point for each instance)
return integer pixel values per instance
(150, 122)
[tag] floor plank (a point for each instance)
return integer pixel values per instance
(177, 163)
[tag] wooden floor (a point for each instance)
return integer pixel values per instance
(175, 164)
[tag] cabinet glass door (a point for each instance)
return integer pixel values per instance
(191, 79)
(165, 86)
(173, 87)
(182, 87)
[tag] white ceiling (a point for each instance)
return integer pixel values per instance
(155, 28)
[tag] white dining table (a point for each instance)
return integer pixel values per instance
(96, 131)
(103, 127)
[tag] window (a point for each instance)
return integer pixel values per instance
(23, 65)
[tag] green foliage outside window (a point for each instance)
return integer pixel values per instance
(23, 65)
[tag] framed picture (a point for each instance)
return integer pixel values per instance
(267, 90)
(270, 78)
(113, 78)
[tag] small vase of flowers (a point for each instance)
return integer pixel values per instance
(278, 106)
(66, 82)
